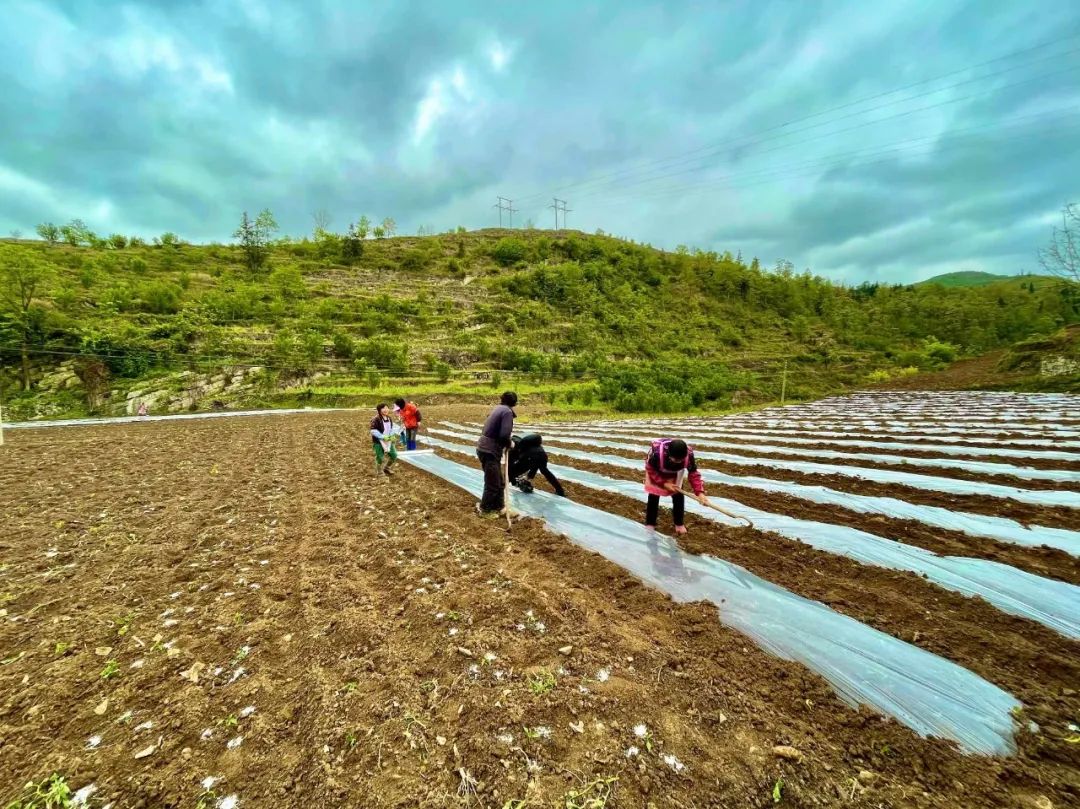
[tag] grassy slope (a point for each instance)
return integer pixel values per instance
(568, 298)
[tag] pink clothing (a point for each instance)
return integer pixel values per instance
(660, 469)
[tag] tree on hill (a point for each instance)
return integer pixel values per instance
(363, 227)
(22, 280)
(322, 221)
(389, 226)
(352, 245)
(1062, 256)
(49, 232)
(254, 237)
(76, 232)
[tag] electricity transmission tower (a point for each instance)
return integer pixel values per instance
(558, 206)
(507, 205)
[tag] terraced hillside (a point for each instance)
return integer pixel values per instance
(586, 321)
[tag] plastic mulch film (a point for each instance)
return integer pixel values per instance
(979, 467)
(951, 437)
(887, 476)
(931, 695)
(978, 525)
(902, 426)
(802, 438)
(23, 425)
(1054, 604)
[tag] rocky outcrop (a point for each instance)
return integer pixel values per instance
(185, 390)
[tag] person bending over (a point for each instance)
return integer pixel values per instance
(527, 457)
(669, 463)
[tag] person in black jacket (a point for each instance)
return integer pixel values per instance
(527, 457)
(494, 439)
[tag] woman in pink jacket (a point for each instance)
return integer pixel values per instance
(670, 461)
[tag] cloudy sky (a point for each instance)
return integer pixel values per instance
(887, 141)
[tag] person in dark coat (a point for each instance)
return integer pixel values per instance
(494, 440)
(527, 457)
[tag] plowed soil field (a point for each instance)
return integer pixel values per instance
(240, 612)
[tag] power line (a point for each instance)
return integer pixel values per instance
(643, 165)
(696, 168)
(171, 360)
(842, 159)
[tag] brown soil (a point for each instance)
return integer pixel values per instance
(978, 372)
(362, 695)
(1050, 516)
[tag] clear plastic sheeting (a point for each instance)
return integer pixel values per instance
(824, 435)
(23, 425)
(1054, 604)
(931, 695)
(902, 426)
(990, 427)
(882, 443)
(978, 525)
(887, 476)
(980, 467)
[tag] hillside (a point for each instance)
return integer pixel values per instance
(965, 278)
(585, 321)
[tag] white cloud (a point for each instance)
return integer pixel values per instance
(450, 94)
(499, 56)
(142, 49)
(430, 109)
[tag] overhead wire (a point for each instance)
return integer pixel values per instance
(816, 167)
(644, 165)
(852, 128)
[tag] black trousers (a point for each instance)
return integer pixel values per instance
(492, 499)
(530, 468)
(678, 509)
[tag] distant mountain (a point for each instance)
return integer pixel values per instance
(966, 278)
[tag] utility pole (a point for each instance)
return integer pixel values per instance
(507, 205)
(783, 383)
(559, 205)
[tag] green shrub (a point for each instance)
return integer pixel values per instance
(442, 372)
(137, 265)
(159, 298)
(509, 251)
(384, 354)
(880, 375)
(344, 345)
(415, 260)
(940, 352)
(288, 283)
(126, 353)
